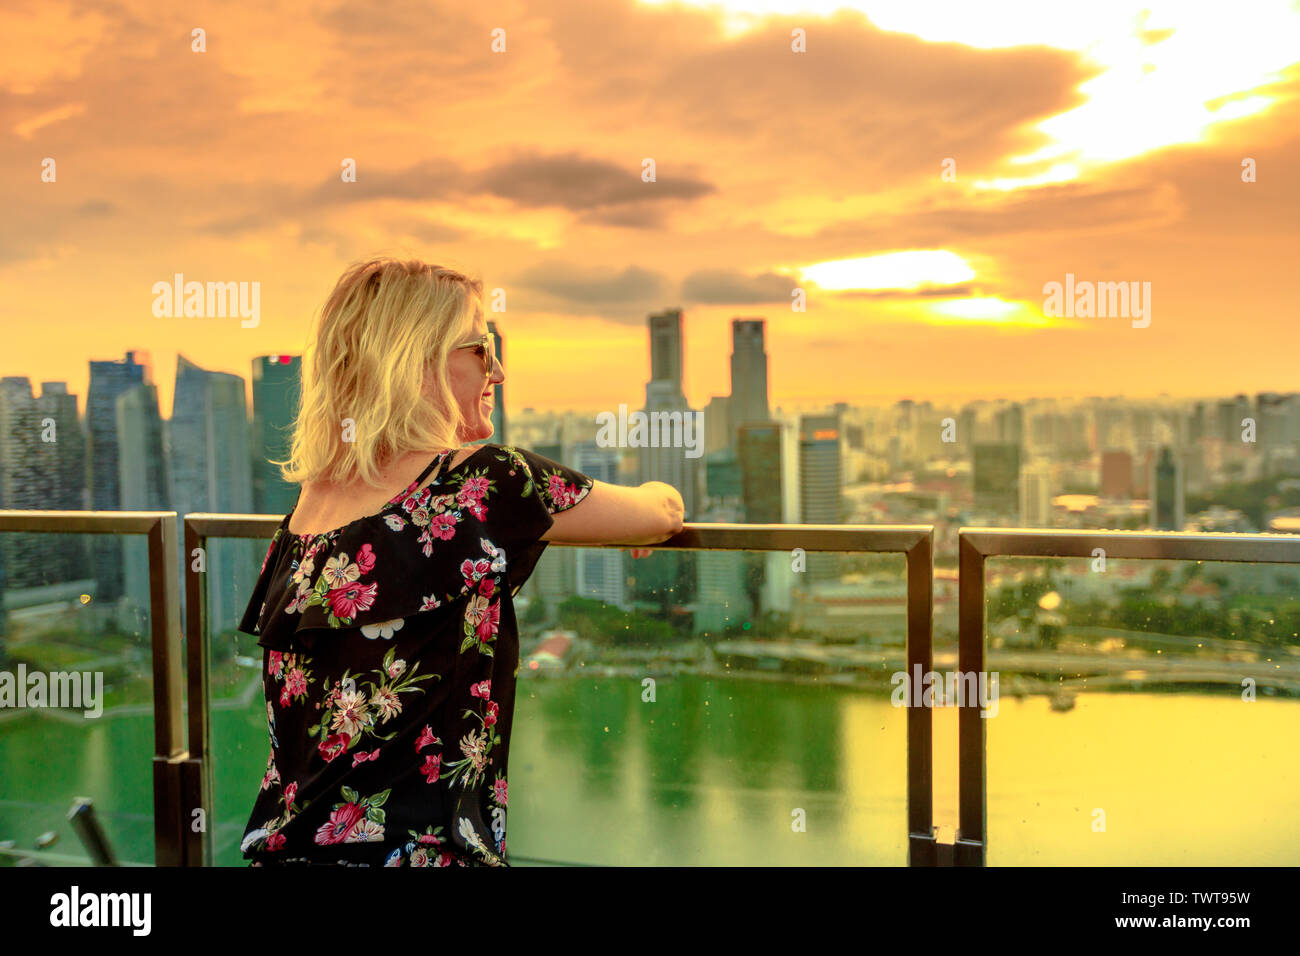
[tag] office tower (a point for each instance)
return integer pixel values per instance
(1036, 495)
(672, 422)
(821, 487)
(600, 573)
(722, 599)
(769, 464)
(717, 423)
(1010, 424)
(62, 466)
(212, 472)
(722, 479)
(277, 393)
(108, 380)
(21, 482)
(1167, 491)
(997, 478)
(748, 375)
(666, 347)
(142, 477)
(1117, 475)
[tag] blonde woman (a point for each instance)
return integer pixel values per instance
(384, 602)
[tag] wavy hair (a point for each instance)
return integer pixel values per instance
(385, 326)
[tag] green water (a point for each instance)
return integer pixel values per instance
(718, 771)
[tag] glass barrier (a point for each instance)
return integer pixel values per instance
(691, 707)
(76, 695)
(1148, 713)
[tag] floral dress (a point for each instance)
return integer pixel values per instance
(390, 657)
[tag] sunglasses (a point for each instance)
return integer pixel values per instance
(485, 348)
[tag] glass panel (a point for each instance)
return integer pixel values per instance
(771, 705)
(1149, 713)
(81, 641)
(687, 708)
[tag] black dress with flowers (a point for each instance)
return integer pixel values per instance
(390, 658)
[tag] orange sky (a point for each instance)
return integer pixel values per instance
(1111, 149)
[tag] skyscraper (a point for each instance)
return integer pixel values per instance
(108, 380)
(142, 477)
(212, 472)
(277, 391)
(748, 375)
(665, 398)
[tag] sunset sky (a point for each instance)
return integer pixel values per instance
(1104, 140)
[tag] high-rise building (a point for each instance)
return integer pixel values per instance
(142, 477)
(664, 457)
(821, 487)
(748, 375)
(1167, 491)
(1036, 495)
(108, 380)
(997, 477)
(21, 482)
(600, 573)
(769, 463)
(277, 393)
(62, 466)
(212, 472)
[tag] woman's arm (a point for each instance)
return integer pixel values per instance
(616, 514)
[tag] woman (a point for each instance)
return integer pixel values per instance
(384, 602)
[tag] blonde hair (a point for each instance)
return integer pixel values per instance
(385, 324)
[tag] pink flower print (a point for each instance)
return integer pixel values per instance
(499, 791)
(345, 602)
(361, 756)
(472, 489)
(430, 603)
(284, 696)
(477, 510)
(397, 669)
(340, 825)
(481, 689)
(333, 745)
(487, 625)
(486, 587)
(299, 602)
(560, 492)
(432, 767)
(473, 570)
(275, 841)
(366, 558)
(295, 682)
(491, 717)
(275, 663)
(427, 838)
(426, 738)
(395, 522)
(290, 792)
(443, 526)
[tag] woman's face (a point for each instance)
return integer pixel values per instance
(472, 385)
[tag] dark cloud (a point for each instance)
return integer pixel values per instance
(727, 287)
(624, 295)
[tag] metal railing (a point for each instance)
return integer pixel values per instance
(183, 776)
(915, 542)
(976, 544)
(165, 633)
